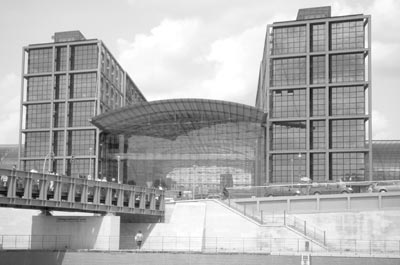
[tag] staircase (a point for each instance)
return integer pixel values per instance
(293, 223)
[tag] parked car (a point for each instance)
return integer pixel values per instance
(282, 191)
(384, 186)
(329, 188)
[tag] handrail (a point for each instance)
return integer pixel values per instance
(262, 245)
(37, 190)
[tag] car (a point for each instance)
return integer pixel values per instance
(329, 188)
(384, 186)
(272, 191)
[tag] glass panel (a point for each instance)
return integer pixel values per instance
(288, 168)
(60, 87)
(289, 103)
(189, 154)
(286, 72)
(317, 102)
(347, 35)
(317, 37)
(84, 57)
(346, 165)
(290, 135)
(38, 116)
(61, 58)
(59, 115)
(347, 100)
(40, 60)
(317, 134)
(347, 68)
(80, 113)
(347, 133)
(83, 85)
(289, 40)
(36, 144)
(317, 71)
(317, 168)
(58, 143)
(39, 88)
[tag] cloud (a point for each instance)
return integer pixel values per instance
(236, 59)
(9, 109)
(177, 59)
(163, 63)
(380, 126)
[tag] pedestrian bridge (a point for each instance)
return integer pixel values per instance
(31, 190)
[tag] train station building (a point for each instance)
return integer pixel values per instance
(82, 115)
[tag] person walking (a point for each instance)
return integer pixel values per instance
(139, 239)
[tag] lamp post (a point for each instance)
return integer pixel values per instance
(90, 162)
(49, 155)
(193, 181)
(118, 163)
(292, 167)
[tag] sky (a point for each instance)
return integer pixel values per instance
(189, 48)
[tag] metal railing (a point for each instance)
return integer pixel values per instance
(284, 219)
(34, 190)
(200, 244)
(305, 228)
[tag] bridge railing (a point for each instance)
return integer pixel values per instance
(79, 194)
(261, 245)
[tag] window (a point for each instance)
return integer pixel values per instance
(347, 100)
(347, 133)
(289, 103)
(290, 135)
(286, 72)
(40, 60)
(289, 40)
(84, 57)
(317, 102)
(317, 37)
(347, 68)
(39, 88)
(317, 70)
(347, 35)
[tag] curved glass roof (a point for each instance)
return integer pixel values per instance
(174, 117)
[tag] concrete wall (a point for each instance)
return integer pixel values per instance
(142, 258)
(75, 232)
(324, 203)
(182, 231)
(364, 225)
(228, 230)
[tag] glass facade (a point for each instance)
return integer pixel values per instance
(185, 144)
(314, 82)
(62, 92)
(386, 160)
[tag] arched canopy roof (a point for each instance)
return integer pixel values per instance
(174, 117)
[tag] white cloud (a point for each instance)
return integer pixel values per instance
(163, 63)
(380, 126)
(9, 109)
(237, 59)
(178, 59)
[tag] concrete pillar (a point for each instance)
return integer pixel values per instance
(75, 232)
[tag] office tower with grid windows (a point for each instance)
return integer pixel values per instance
(315, 84)
(64, 84)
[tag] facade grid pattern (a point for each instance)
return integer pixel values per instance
(336, 114)
(67, 83)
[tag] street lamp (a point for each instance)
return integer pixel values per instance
(90, 162)
(292, 166)
(49, 156)
(118, 162)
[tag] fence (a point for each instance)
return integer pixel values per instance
(285, 219)
(205, 244)
(305, 228)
